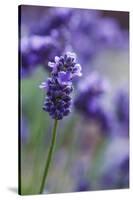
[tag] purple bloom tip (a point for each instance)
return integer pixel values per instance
(59, 86)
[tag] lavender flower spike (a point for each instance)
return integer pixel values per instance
(58, 100)
(59, 85)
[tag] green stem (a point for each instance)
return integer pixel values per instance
(49, 157)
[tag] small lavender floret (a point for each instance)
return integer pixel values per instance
(59, 85)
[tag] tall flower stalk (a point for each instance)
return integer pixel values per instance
(49, 156)
(58, 100)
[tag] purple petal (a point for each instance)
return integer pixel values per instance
(72, 55)
(56, 59)
(64, 77)
(51, 64)
(77, 70)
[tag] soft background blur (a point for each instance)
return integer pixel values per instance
(88, 155)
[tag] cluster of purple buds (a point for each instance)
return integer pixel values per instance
(59, 85)
(89, 101)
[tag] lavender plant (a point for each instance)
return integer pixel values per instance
(58, 100)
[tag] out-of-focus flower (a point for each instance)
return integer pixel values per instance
(122, 108)
(59, 85)
(82, 185)
(115, 168)
(89, 101)
(91, 32)
(81, 182)
(108, 33)
(53, 19)
(94, 33)
(81, 27)
(117, 177)
(37, 50)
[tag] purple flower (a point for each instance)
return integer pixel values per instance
(79, 172)
(64, 77)
(67, 65)
(52, 18)
(89, 102)
(94, 33)
(82, 185)
(37, 50)
(115, 167)
(108, 31)
(117, 177)
(59, 85)
(81, 26)
(122, 108)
